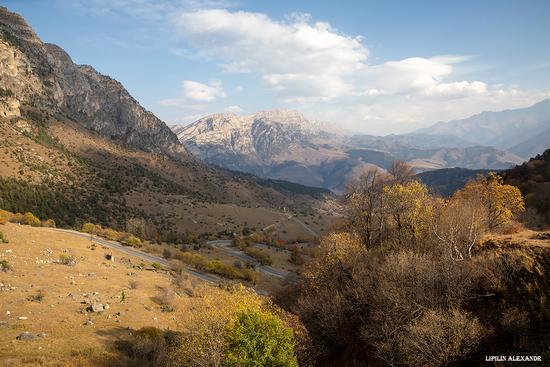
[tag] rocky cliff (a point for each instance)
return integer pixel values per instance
(41, 75)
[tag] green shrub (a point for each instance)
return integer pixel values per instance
(259, 338)
(38, 297)
(88, 227)
(2, 238)
(133, 241)
(261, 256)
(4, 265)
(66, 260)
(156, 266)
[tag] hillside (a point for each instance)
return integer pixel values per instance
(283, 144)
(448, 180)
(533, 179)
(524, 131)
(77, 147)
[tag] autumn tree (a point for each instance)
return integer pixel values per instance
(363, 202)
(401, 172)
(458, 225)
(502, 202)
(409, 207)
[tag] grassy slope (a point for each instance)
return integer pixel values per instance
(32, 253)
(91, 178)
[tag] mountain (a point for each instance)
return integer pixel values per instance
(45, 75)
(77, 147)
(524, 131)
(283, 144)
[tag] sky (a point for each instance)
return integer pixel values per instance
(376, 67)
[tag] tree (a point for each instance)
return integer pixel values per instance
(458, 224)
(401, 172)
(259, 338)
(411, 208)
(501, 201)
(363, 202)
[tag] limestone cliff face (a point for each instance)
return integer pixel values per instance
(43, 75)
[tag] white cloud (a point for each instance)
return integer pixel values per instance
(193, 91)
(296, 58)
(233, 109)
(312, 66)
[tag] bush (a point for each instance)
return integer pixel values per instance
(259, 338)
(438, 338)
(89, 228)
(38, 297)
(133, 241)
(67, 260)
(156, 266)
(261, 256)
(4, 265)
(2, 238)
(49, 223)
(31, 220)
(5, 216)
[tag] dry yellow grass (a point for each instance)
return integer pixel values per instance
(33, 254)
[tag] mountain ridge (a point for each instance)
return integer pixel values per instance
(522, 131)
(79, 92)
(305, 152)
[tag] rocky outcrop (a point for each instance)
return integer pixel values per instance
(43, 75)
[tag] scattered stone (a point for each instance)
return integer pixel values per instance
(91, 275)
(3, 323)
(96, 307)
(110, 257)
(8, 313)
(89, 323)
(22, 317)
(30, 336)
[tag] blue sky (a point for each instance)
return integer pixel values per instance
(372, 66)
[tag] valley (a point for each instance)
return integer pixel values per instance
(269, 238)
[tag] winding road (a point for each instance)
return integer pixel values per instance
(220, 244)
(142, 255)
(225, 245)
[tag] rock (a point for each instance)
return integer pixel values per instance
(89, 323)
(30, 336)
(22, 317)
(96, 307)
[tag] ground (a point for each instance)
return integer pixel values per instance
(33, 254)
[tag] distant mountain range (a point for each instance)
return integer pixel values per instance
(525, 131)
(283, 144)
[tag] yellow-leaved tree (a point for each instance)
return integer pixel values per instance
(502, 202)
(411, 208)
